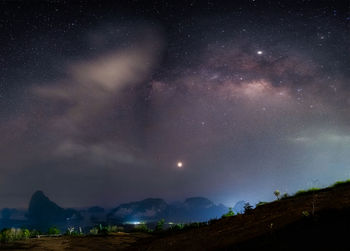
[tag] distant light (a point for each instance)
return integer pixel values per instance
(259, 52)
(133, 222)
(179, 164)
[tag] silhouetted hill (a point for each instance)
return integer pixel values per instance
(192, 209)
(6, 213)
(11, 217)
(96, 209)
(43, 212)
(148, 209)
(198, 202)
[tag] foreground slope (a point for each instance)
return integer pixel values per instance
(118, 241)
(274, 226)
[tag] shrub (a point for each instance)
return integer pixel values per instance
(26, 233)
(53, 231)
(114, 228)
(301, 192)
(72, 232)
(305, 213)
(229, 213)
(285, 196)
(12, 234)
(6, 235)
(248, 208)
(194, 225)
(339, 183)
(176, 227)
(160, 225)
(105, 230)
(142, 228)
(261, 203)
(34, 233)
(94, 231)
(111, 229)
(179, 227)
(277, 194)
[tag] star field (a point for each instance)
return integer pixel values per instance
(102, 103)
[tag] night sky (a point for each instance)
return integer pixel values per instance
(108, 102)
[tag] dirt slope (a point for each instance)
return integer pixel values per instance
(118, 241)
(268, 226)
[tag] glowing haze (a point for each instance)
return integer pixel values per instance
(230, 106)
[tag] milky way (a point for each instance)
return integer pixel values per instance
(101, 106)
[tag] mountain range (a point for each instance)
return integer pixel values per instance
(192, 209)
(43, 213)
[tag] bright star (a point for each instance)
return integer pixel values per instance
(259, 52)
(179, 164)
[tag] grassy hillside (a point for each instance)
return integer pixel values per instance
(287, 224)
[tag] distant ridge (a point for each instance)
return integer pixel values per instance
(192, 209)
(43, 212)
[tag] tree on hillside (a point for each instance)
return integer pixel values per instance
(277, 194)
(248, 208)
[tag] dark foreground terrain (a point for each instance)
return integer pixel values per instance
(316, 220)
(112, 242)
